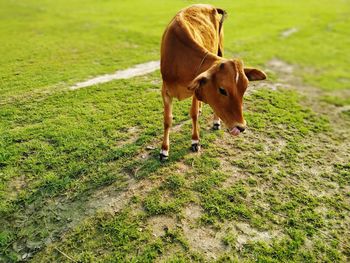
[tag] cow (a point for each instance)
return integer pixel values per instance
(192, 65)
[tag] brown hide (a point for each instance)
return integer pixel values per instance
(190, 35)
(192, 64)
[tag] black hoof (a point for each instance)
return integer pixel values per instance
(216, 126)
(163, 157)
(195, 147)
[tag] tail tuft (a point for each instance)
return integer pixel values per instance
(222, 12)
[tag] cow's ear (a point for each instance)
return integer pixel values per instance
(197, 85)
(254, 74)
(200, 81)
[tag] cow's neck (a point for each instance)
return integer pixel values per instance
(205, 61)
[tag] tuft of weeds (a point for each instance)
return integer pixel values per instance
(175, 182)
(227, 204)
(230, 240)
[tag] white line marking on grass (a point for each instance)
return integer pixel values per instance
(137, 70)
(289, 32)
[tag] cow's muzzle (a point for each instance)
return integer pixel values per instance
(236, 130)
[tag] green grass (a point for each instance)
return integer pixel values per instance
(337, 101)
(52, 44)
(67, 156)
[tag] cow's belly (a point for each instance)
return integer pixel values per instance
(178, 91)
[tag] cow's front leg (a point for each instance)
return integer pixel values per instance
(216, 122)
(195, 127)
(168, 118)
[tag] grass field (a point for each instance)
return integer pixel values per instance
(80, 179)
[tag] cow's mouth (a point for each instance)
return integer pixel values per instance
(236, 130)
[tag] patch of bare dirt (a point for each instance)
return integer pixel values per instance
(62, 215)
(253, 86)
(109, 200)
(245, 233)
(204, 240)
(201, 239)
(182, 168)
(209, 241)
(132, 135)
(16, 185)
(235, 175)
(193, 212)
(159, 225)
(280, 67)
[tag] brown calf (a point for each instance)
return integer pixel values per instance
(192, 66)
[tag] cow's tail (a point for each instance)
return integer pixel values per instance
(223, 16)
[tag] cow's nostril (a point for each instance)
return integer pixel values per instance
(241, 129)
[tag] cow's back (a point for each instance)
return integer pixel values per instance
(202, 23)
(192, 32)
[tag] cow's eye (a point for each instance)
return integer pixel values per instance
(222, 91)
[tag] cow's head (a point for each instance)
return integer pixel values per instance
(222, 86)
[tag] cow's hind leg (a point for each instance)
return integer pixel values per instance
(216, 122)
(168, 118)
(216, 119)
(195, 127)
(200, 108)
